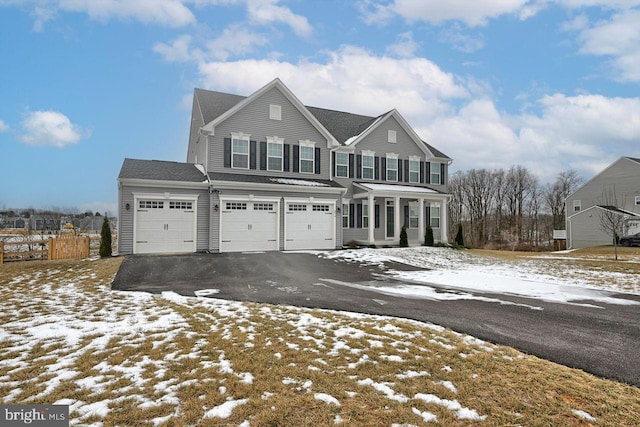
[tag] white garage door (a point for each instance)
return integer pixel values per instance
(248, 225)
(309, 226)
(164, 226)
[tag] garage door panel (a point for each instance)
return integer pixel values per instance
(309, 226)
(164, 227)
(249, 226)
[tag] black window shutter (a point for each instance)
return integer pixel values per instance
(227, 152)
(352, 215)
(427, 175)
(252, 154)
(422, 172)
(406, 216)
(383, 169)
(333, 163)
(376, 165)
(443, 169)
(351, 160)
(359, 215)
(317, 161)
(427, 214)
(406, 171)
(263, 155)
(399, 165)
(359, 166)
(377, 216)
(296, 158)
(286, 157)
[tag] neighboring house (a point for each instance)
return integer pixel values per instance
(266, 172)
(615, 190)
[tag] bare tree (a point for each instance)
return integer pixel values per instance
(557, 192)
(612, 218)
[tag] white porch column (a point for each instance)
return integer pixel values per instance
(396, 217)
(372, 219)
(444, 222)
(421, 222)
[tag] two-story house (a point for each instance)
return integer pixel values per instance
(265, 172)
(614, 191)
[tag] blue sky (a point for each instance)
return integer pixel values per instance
(552, 85)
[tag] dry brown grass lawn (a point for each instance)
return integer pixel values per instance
(134, 359)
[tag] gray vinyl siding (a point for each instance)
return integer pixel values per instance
(404, 147)
(254, 120)
(214, 242)
(197, 146)
(125, 236)
(622, 177)
(586, 232)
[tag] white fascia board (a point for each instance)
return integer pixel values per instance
(154, 183)
(397, 193)
(235, 185)
(210, 127)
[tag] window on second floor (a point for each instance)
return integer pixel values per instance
(240, 151)
(392, 167)
(367, 166)
(577, 205)
(414, 170)
(342, 165)
(637, 200)
(436, 178)
(274, 154)
(307, 157)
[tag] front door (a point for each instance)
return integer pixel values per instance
(390, 220)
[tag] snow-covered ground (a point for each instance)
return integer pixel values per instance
(468, 276)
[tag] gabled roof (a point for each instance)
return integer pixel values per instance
(612, 209)
(633, 159)
(160, 170)
(216, 106)
(623, 158)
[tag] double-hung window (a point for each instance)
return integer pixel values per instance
(345, 215)
(274, 154)
(637, 200)
(435, 173)
(342, 165)
(240, 151)
(392, 167)
(414, 170)
(365, 215)
(577, 205)
(435, 216)
(367, 165)
(414, 212)
(307, 157)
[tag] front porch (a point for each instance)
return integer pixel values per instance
(377, 213)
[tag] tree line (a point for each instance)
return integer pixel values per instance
(508, 208)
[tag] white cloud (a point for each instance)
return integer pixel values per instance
(235, 40)
(619, 39)
(177, 51)
(405, 46)
(50, 128)
(351, 79)
(455, 36)
(3, 126)
(171, 13)
(268, 11)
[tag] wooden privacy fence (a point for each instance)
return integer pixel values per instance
(65, 246)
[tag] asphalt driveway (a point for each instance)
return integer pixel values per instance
(603, 339)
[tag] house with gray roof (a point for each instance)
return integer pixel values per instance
(265, 172)
(614, 191)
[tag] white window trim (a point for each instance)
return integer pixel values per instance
(275, 112)
(340, 164)
(279, 141)
(371, 154)
(418, 160)
(308, 144)
(577, 204)
(240, 136)
(432, 173)
(391, 136)
(392, 156)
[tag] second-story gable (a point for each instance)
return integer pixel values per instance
(268, 133)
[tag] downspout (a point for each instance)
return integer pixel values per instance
(201, 168)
